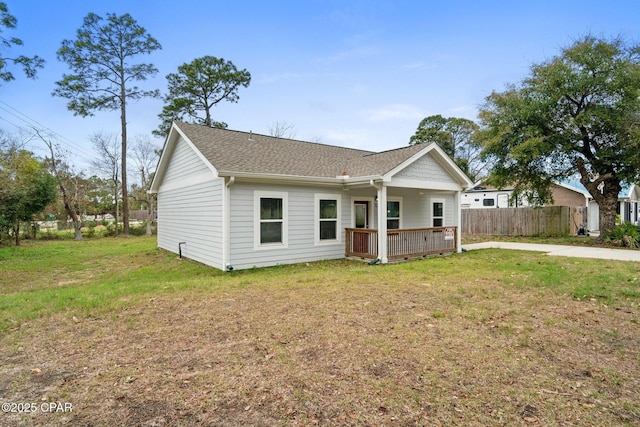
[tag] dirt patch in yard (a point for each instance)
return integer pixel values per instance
(371, 351)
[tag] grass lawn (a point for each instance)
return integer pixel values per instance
(126, 334)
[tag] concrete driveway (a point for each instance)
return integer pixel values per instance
(562, 250)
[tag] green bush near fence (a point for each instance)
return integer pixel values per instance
(625, 234)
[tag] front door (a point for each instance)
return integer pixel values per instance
(362, 214)
(361, 240)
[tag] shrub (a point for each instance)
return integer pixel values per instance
(56, 235)
(138, 230)
(91, 225)
(625, 234)
(110, 230)
(135, 230)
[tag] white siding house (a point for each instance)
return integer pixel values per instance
(237, 200)
(629, 204)
(190, 203)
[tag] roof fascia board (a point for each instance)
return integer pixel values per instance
(409, 161)
(425, 185)
(198, 153)
(441, 157)
(167, 151)
(292, 179)
(296, 179)
(175, 133)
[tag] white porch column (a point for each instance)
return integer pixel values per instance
(458, 220)
(382, 224)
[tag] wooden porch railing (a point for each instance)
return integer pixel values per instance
(361, 242)
(405, 243)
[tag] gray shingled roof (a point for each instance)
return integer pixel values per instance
(243, 152)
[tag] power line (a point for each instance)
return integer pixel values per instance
(77, 149)
(34, 123)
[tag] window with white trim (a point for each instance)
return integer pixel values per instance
(393, 214)
(270, 219)
(437, 212)
(327, 218)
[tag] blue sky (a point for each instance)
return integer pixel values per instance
(360, 74)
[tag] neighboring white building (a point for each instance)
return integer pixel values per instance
(628, 207)
(486, 197)
(629, 204)
(236, 200)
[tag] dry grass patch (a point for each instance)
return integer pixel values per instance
(461, 340)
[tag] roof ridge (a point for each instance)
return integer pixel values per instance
(239, 151)
(251, 133)
(398, 149)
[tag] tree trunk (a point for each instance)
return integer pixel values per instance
(117, 216)
(608, 214)
(150, 207)
(17, 231)
(75, 216)
(604, 190)
(77, 228)
(125, 193)
(607, 199)
(70, 213)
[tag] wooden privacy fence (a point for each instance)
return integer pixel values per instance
(546, 221)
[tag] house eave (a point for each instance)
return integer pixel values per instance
(338, 181)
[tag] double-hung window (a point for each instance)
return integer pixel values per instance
(270, 219)
(393, 214)
(437, 212)
(327, 218)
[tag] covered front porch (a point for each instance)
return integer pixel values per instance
(394, 222)
(401, 243)
(410, 211)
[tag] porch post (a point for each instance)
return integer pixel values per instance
(458, 219)
(382, 224)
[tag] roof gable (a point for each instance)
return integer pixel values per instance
(174, 138)
(433, 158)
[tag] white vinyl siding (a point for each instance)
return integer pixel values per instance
(190, 208)
(300, 246)
(427, 168)
(416, 207)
